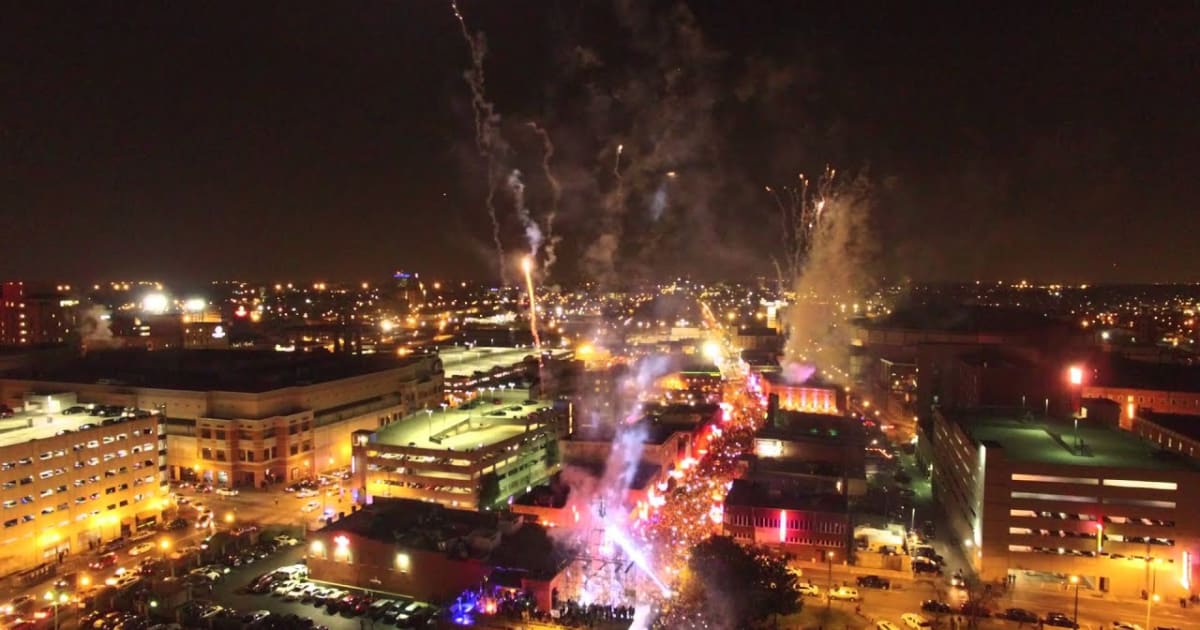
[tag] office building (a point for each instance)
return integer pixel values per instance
(70, 482)
(1028, 495)
(245, 418)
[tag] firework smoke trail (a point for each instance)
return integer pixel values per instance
(555, 197)
(527, 265)
(487, 133)
(532, 232)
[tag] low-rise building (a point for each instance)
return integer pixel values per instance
(812, 526)
(1030, 494)
(431, 553)
(69, 482)
(241, 417)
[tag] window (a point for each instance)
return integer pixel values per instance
(1142, 485)
(206, 433)
(1166, 505)
(1036, 496)
(206, 453)
(220, 434)
(1052, 479)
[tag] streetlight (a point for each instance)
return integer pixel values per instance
(56, 599)
(829, 598)
(1075, 581)
(1152, 597)
(165, 545)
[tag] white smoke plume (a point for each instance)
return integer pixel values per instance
(533, 233)
(551, 241)
(94, 331)
(833, 273)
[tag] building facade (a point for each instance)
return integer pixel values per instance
(469, 461)
(68, 483)
(235, 433)
(813, 527)
(1025, 495)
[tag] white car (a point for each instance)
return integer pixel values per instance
(844, 593)
(886, 625)
(227, 492)
(306, 493)
(204, 521)
(311, 506)
(285, 540)
(1125, 625)
(809, 590)
(284, 587)
(915, 621)
(141, 548)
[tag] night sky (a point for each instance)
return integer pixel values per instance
(336, 140)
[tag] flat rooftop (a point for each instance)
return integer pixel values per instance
(18, 429)
(1050, 441)
(247, 371)
(1187, 426)
(470, 425)
(462, 362)
(749, 493)
(1122, 372)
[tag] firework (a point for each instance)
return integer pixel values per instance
(527, 266)
(800, 209)
(488, 140)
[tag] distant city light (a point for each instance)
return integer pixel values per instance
(155, 303)
(194, 305)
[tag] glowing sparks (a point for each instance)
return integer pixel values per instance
(527, 266)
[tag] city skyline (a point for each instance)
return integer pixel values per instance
(229, 141)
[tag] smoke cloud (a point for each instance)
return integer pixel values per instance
(834, 275)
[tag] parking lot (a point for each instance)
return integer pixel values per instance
(230, 591)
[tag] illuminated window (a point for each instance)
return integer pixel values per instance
(1020, 530)
(1069, 498)
(1166, 505)
(1143, 485)
(1051, 479)
(403, 562)
(1020, 548)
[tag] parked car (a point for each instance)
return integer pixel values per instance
(844, 593)
(936, 606)
(141, 548)
(74, 409)
(227, 492)
(1020, 615)
(808, 590)
(873, 581)
(886, 625)
(915, 621)
(974, 609)
(1125, 625)
(1058, 620)
(311, 506)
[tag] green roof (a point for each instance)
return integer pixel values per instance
(1049, 441)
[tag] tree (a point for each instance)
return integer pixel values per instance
(731, 586)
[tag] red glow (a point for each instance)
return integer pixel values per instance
(1075, 375)
(782, 525)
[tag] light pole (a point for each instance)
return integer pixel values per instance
(1151, 596)
(829, 598)
(165, 545)
(1075, 581)
(56, 599)
(429, 421)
